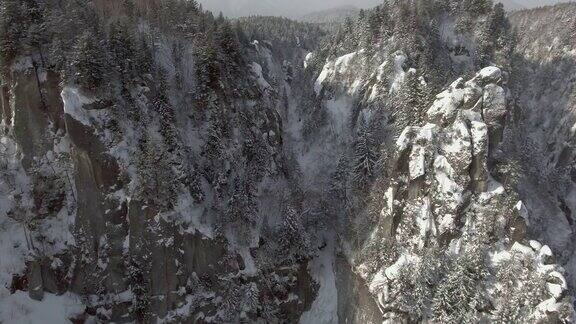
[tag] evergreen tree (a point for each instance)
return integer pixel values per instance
(140, 301)
(123, 49)
(207, 69)
(458, 296)
(414, 96)
(12, 28)
(144, 57)
(157, 182)
(364, 157)
(228, 41)
(89, 61)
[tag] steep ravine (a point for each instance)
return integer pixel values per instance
(542, 141)
(361, 187)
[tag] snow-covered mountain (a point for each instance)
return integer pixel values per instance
(334, 15)
(411, 164)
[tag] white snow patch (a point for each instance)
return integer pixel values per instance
(399, 74)
(444, 174)
(393, 271)
(494, 188)
(479, 133)
(490, 73)
(192, 213)
(417, 162)
(250, 268)
(257, 70)
(426, 221)
(414, 134)
(73, 102)
(447, 102)
(340, 110)
(389, 209)
(309, 57)
(332, 68)
(19, 308)
(324, 309)
(523, 211)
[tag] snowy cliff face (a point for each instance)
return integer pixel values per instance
(455, 228)
(426, 190)
(541, 145)
(155, 199)
(257, 174)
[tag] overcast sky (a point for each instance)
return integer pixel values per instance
(289, 8)
(298, 8)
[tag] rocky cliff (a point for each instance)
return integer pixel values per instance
(161, 165)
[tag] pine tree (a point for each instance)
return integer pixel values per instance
(157, 182)
(207, 69)
(140, 301)
(228, 41)
(339, 181)
(89, 61)
(144, 57)
(364, 157)
(414, 97)
(123, 49)
(242, 211)
(458, 296)
(12, 27)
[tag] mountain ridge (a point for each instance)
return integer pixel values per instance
(160, 164)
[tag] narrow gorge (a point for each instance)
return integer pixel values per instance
(410, 163)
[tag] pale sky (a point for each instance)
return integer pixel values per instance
(288, 8)
(298, 8)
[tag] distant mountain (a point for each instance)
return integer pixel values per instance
(334, 15)
(513, 4)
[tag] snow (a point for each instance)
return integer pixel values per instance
(494, 188)
(333, 68)
(545, 251)
(265, 53)
(399, 74)
(379, 285)
(460, 140)
(405, 137)
(250, 267)
(73, 105)
(523, 249)
(425, 221)
(537, 246)
(381, 70)
(491, 74)
(375, 91)
(389, 209)
(448, 102)
(446, 223)
(523, 211)
(393, 271)
(415, 134)
(13, 252)
(417, 163)
(555, 290)
(324, 309)
(479, 132)
(309, 57)
(192, 214)
(444, 174)
(14, 182)
(549, 305)
(19, 308)
(340, 110)
(257, 70)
